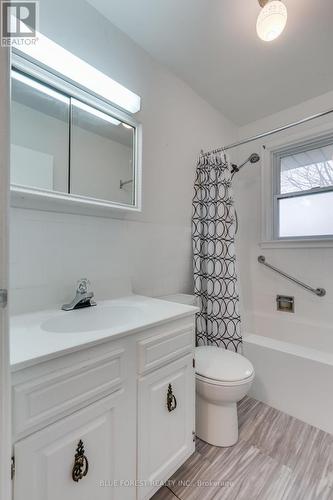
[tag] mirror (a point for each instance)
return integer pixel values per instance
(64, 145)
(101, 155)
(39, 135)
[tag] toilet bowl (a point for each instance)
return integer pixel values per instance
(222, 379)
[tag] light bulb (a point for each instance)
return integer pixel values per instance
(48, 53)
(272, 20)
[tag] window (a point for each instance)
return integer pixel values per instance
(303, 190)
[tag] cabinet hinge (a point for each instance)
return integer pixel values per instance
(193, 362)
(12, 468)
(193, 436)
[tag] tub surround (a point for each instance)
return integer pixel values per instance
(123, 396)
(293, 378)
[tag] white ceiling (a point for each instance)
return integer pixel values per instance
(212, 45)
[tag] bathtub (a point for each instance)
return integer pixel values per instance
(293, 362)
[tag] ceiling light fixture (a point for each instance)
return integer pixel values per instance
(61, 61)
(38, 86)
(271, 20)
(95, 112)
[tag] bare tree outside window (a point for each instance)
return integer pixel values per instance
(316, 175)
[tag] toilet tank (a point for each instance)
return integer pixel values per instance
(181, 298)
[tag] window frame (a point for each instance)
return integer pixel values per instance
(278, 155)
(270, 188)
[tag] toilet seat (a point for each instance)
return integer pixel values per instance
(222, 367)
(224, 383)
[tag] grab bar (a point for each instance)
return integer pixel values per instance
(317, 291)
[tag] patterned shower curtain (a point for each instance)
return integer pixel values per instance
(214, 260)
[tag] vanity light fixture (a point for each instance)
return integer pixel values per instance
(95, 112)
(38, 86)
(71, 67)
(271, 20)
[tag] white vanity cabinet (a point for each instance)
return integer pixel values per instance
(96, 435)
(166, 422)
(118, 417)
(82, 403)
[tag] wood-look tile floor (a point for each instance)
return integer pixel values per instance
(277, 457)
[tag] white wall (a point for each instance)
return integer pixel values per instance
(50, 251)
(259, 285)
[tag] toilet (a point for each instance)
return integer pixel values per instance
(222, 379)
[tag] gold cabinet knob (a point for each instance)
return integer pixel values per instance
(81, 464)
(171, 399)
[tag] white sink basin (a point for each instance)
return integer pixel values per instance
(42, 335)
(92, 319)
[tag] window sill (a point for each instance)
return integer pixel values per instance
(297, 243)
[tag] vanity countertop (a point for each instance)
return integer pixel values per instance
(43, 335)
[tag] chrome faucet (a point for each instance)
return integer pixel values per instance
(83, 298)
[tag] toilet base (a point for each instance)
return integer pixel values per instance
(216, 424)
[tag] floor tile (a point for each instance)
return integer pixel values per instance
(164, 494)
(277, 457)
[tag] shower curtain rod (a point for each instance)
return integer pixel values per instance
(266, 134)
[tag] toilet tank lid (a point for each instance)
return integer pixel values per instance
(219, 364)
(181, 298)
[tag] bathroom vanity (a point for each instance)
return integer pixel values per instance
(103, 399)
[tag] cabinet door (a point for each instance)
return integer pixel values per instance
(165, 437)
(45, 460)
